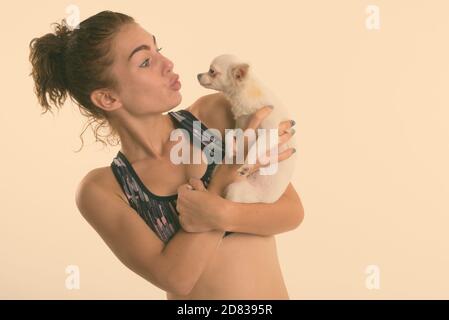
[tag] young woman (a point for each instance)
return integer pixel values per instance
(112, 69)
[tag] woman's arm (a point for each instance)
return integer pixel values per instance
(204, 211)
(264, 219)
(174, 267)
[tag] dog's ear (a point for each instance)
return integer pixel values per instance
(239, 71)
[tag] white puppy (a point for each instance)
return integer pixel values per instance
(236, 80)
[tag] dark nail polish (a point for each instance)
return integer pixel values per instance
(292, 131)
(294, 150)
(293, 122)
(271, 107)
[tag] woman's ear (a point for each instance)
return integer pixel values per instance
(105, 99)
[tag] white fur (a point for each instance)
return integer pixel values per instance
(244, 101)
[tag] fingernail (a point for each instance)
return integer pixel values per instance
(271, 107)
(293, 122)
(294, 150)
(189, 187)
(292, 131)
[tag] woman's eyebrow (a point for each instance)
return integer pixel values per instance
(142, 47)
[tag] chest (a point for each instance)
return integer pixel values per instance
(163, 177)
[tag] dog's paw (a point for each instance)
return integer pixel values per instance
(244, 170)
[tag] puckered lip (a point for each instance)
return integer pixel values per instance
(173, 80)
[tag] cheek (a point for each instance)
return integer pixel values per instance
(143, 85)
(142, 89)
(138, 91)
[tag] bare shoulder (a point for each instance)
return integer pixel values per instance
(99, 179)
(97, 176)
(214, 110)
(124, 231)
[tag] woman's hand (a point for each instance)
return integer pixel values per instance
(200, 210)
(225, 174)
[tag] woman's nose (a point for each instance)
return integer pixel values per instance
(169, 65)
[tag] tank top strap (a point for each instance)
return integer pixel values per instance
(199, 132)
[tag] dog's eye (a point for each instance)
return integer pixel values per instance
(211, 71)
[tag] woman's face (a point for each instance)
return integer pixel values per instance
(143, 74)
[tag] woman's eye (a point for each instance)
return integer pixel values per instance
(145, 63)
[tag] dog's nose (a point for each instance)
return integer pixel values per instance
(198, 76)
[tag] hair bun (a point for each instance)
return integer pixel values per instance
(62, 33)
(47, 56)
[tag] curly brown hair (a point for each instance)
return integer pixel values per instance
(74, 62)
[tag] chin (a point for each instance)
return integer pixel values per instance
(175, 100)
